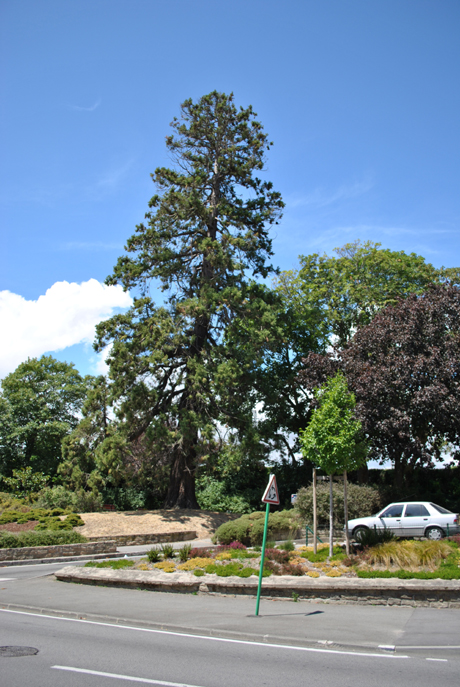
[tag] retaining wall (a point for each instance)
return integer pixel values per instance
(133, 539)
(57, 551)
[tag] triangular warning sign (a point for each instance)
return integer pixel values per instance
(271, 492)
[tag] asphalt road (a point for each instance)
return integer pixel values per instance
(25, 572)
(74, 653)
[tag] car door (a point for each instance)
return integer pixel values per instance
(414, 520)
(391, 518)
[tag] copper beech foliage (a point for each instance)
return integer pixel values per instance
(404, 369)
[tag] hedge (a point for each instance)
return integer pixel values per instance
(8, 540)
(249, 528)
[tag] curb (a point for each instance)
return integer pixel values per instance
(387, 592)
(64, 559)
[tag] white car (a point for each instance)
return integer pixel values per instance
(409, 519)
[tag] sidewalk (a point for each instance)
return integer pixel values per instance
(327, 625)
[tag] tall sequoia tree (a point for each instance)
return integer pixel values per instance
(176, 373)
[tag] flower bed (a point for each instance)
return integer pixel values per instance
(429, 560)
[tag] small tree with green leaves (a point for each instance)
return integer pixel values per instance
(333, 440)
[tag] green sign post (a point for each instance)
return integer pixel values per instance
(270, 496)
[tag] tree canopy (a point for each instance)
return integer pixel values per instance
(404, 369)
(178, 371)
(39, 405)
(333, 439)
(350, 288)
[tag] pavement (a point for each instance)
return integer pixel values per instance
(294, 620)
(301, 623)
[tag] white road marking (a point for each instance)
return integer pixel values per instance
(123, 677)
(208, 638)
(5, 579)
(444, 660)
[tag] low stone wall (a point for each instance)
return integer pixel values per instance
(133, 539)
(382, 592)
(57, 551)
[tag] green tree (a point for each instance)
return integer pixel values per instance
(177, 372)
(404, 369)
(350, 288)
(333, 439)
(39, 405)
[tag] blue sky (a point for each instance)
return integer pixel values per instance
(360, 98)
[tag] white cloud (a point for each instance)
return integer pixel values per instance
(322, 198)
(66, 315)
(91, 108)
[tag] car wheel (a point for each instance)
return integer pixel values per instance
(358, 532)
(434, 533)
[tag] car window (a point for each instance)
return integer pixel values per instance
(392, 511)
(440, 509)
(414, 510)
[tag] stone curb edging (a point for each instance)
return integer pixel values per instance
(56, 550)
(65, 559)
(387, 592)
(139, 539)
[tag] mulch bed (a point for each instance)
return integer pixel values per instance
(16, 527)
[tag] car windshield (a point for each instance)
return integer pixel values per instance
(440, 509)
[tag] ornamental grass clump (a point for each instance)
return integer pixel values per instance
(153, 555)
(184, 552)
(408, 554)
(167, 550)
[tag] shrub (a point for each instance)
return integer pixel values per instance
(235, 530)
(8, 540)
(409, 554)
(197, 562)
(153, 555)
(249, 528)
(211, 495)
(291, 569)
(115, 565)
(235, 545)
(199, 553)
(55, 522)
(9, 501)
(287, 546)
(184, 552)
(60, 497)
(321, 555)
(167, 550)
(55, 497)
(362, 501)
(87, 501)
(372, 536)
(277, 555)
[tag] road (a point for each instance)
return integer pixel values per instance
(74, 653)
(125, 635)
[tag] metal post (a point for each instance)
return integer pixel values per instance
(315, 517)
(262, 557)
